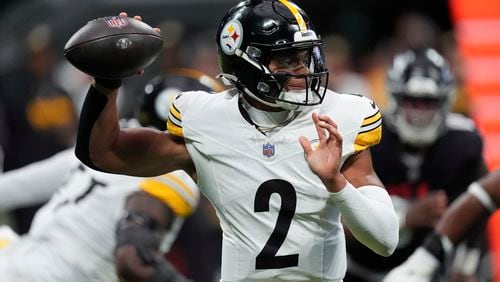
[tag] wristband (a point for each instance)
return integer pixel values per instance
(476, 190)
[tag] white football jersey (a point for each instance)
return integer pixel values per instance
(72, 237)
(277, 219)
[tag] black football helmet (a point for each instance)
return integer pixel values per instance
(255, 31)
(421, 91)
(160, 92)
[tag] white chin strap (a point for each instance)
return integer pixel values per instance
(295, 96)
(260, 100)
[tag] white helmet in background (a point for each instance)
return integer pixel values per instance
(421, 91)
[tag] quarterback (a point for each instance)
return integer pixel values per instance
(279, 156)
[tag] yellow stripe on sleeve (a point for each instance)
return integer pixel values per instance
(173, 126)
(367, 139)
(174, 129)
(175, 112)
(296, 14)
(168, 195)
(373, 118)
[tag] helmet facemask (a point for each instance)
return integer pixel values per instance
(419, 121)
(421, 92)
(307, 89)
(254, 33)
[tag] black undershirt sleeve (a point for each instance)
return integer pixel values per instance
(92, 107)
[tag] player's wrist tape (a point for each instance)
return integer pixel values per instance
(439, 246)
(479, 193)
(92, 107)
(110, 84)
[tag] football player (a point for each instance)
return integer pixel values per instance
(481, 199)
(428, 156)
(280, 156)
(82, 233)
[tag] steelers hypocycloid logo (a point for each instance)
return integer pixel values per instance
(231, 37)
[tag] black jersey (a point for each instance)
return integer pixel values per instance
(450, 164)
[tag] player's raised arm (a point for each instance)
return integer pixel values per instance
(101, 144)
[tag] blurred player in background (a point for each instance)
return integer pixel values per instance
(268, 154)
(428, 156)
(479, 202)
(39, 115)
(73, 236)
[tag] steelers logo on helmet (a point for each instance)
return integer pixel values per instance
(231, 37)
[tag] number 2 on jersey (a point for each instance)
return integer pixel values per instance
(267, 258)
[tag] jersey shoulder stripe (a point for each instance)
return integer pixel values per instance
(367, 139)
(175, 112)
(187, 105)
(372, 119)
(174, 120)
(370, 131)
(174, 127)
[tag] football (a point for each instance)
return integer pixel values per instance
(113, 47)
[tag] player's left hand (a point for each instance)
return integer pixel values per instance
(325, 160)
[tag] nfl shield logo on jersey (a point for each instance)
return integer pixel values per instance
(268, 150)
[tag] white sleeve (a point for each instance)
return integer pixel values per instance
(370, 216)
(36, 182)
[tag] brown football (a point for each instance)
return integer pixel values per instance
(113, 47)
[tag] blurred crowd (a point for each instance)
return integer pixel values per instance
(41, 98)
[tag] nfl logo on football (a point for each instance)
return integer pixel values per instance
(268, 150)
(116, 22)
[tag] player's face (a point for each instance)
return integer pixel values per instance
(420, 111)
(295, 62)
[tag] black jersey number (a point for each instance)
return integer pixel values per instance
(267, 258)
